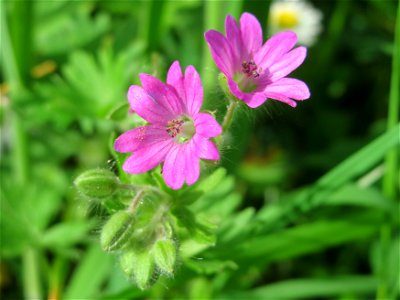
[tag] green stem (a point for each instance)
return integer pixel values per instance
(230, 111)
(17, 62)
(136, 200)
(142, 188)
(391, 175)
(31, 280)
(57, 277)
(213, 10)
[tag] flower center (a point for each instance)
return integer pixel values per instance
(287, 19)
(174, 127)
(181, 129)
(250, 69)
(245, 78)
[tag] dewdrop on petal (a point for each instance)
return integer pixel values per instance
(298, 16)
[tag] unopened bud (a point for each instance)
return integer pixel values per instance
(117, 231)
(97, 183)
(164, 253)
(139, 266)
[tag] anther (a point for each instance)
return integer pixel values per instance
(250, 69)
(174, 127)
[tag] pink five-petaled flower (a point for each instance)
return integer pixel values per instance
(178, 134)
(254, 71)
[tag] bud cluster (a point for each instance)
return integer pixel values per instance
(142, 233)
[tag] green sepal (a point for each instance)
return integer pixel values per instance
(117, 231)
(138, 265)
(97, 183)
(164, 253)
(223, 83)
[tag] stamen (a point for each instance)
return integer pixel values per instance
(174, 127)
(250, 69)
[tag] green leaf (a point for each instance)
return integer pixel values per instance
(309, 288)
(208, 267)
(206, 185)
(91, 272)
(302, 239)
(25, 212)
(200, 288)
(66, 234)
(236, 226)
(354, 195)
(90, 86)
(362, 160)
(48, 39)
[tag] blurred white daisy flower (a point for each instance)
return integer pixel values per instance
(298, 16)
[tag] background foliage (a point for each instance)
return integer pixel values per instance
(304, 205)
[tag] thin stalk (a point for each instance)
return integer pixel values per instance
(390, 176)
(136, 200)
(230, 112)
(227, 122)
(57, 277)
(30, 273)
(150, 25)
(142, 188)
(212, 20)
(16, 58)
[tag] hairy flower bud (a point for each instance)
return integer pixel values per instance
(164, 253)
(139, 266)
(117, 231)
(97, 183)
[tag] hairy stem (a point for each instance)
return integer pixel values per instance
(136, 200)
(230, 111)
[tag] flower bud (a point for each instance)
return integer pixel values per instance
(164, 253)
(117, 231)
(97, 183)
(139, 266)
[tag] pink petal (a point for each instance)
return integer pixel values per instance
(234, 37)
(251, 32)
(175, 78)
(205, 148)
(193, 91)
(146, 107)
(207, 126)
(281, 98)
(192, 162)
(288, 63)
(253, 99)
(162, 93)
(174, 168)
(221, 51)
(273, 49)
(140, 137)
(286, 89)
(147, 158)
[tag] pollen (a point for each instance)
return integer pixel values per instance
(174, 127)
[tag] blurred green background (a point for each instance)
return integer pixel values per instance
(293, 221)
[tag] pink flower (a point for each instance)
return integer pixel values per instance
(178, 134)
(254, 71)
